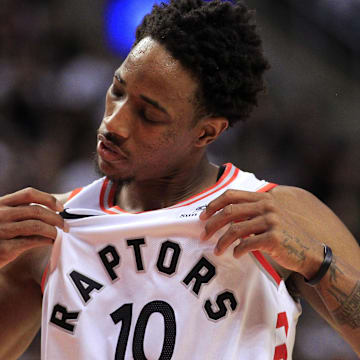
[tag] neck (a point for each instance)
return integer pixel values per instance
(166, 191)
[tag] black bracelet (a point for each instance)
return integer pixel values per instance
(328, 256)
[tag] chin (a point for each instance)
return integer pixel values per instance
(103, 169)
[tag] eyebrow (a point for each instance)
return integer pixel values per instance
(143, 97)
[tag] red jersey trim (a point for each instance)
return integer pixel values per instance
(44, 278)
(222, 178)
(74, 193)
(202, 197)
(266, 265)
(258, 255)
(102, 195)
(267, 187)
(196, 197)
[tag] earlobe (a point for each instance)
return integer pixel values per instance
(211, 129)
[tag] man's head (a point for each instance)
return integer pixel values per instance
(195, 67)
(217, 43)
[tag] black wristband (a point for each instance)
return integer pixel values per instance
(328, 256)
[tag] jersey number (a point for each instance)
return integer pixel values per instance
(124, 314)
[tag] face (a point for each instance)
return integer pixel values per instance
(148, 130)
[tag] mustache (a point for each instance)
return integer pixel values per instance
(113, 140)
(111, 137)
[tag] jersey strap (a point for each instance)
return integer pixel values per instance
(267, 187)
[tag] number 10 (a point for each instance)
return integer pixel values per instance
(124, 314)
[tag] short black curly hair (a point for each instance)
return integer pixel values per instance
(217, 42)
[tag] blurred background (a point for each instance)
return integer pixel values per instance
(57, 58)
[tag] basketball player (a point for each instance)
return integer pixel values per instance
(169, 256)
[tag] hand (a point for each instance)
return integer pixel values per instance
(259, 222)
(27, 220)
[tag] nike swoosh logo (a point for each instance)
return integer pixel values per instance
(65, 215)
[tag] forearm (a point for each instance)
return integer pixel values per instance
(20, 314)
(340, 293)
(337, 299)
(27, 231)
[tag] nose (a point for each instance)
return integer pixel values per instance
(117, 119)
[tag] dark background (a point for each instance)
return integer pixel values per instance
(55, 67)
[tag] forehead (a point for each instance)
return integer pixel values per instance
(151, 69)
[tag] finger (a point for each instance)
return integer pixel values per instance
(231, 213)
(240, 231)
(33, 212)
(227, 198)
(27, 228)
(251, 243)
(30, 195)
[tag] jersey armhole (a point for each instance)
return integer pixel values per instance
(259, 257)
(44, 277)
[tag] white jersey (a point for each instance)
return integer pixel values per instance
(143, 286)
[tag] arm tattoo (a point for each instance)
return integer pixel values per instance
(339, 295)
(288, 243)
(334, 271)
(349, 310)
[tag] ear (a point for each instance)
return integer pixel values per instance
(210, 129)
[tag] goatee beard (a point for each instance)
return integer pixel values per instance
(114, 178)
(97, 169)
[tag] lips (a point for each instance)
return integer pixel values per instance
(108, 151)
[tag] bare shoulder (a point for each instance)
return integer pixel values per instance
(303, 204)
(292, 197)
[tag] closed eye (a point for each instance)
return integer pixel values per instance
(145, 118)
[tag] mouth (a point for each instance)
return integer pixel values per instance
(108, 151)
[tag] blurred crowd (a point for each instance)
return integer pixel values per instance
(54, 77)
(51, 99)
